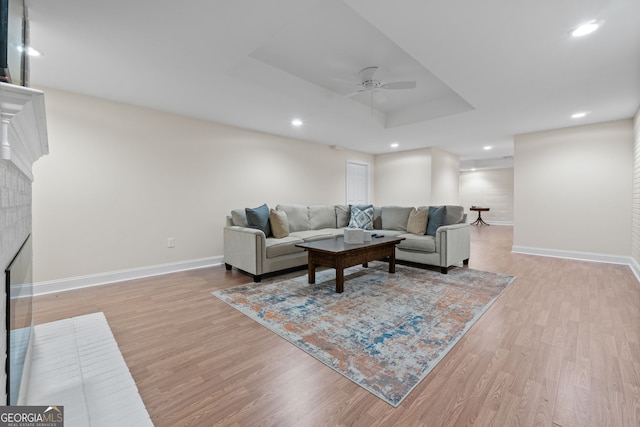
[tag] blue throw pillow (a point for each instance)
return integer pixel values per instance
(361, 217)
(437, 218)
(258, 218)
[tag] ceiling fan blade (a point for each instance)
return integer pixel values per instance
(345, 82)
(349, 95)
(399, 85)
(367, 73)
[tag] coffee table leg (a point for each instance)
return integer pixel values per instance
(311, 271)
(339, 276)
(339, 280)
(392, 260)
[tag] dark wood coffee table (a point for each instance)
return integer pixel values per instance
(337, 254)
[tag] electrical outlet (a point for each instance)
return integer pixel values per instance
(171, 242)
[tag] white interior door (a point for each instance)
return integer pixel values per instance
(357, 183)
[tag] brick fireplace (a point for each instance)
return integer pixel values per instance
(24, 140)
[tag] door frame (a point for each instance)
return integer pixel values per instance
(366, 179)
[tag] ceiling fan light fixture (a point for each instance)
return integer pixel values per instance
(586, 28)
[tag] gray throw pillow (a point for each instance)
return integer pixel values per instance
(361, 217)
(437, 218)
(258, 218)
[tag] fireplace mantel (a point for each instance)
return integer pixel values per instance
(23, 126)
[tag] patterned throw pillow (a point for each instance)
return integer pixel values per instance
(361, 217)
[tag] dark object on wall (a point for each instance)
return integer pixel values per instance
(14, 36)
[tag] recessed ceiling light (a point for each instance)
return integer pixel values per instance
(579, 115)
(394, 145)
(487, 147)
(296, 122)
(584, 29)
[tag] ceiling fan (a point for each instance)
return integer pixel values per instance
(368, 84)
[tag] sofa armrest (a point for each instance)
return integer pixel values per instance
(244, 248)
(453, 243)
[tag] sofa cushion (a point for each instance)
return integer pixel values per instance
(335, 232)
(455, 214)
(239, 217)
(417, 223)
(343, 214)
(310, 235)
(258, 218)
(395, 217)
(361, 217)
(283, 246)
(322, 216)
(389, 233)
(413, 242)
(437, 218)
(298, 216)
(279, 223)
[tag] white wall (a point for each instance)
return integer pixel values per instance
(120, 180)
(425, 176)
(445, 178)
(491, 188)
(403, 178)
(573, 189)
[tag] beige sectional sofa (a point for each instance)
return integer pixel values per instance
(250, 250)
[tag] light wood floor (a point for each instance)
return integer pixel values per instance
(561, 347)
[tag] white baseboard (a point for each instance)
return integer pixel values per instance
(509, 223)
(582, 256)
(635, 267)
(67, 284)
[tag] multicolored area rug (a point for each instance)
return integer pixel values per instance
(386, 331)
